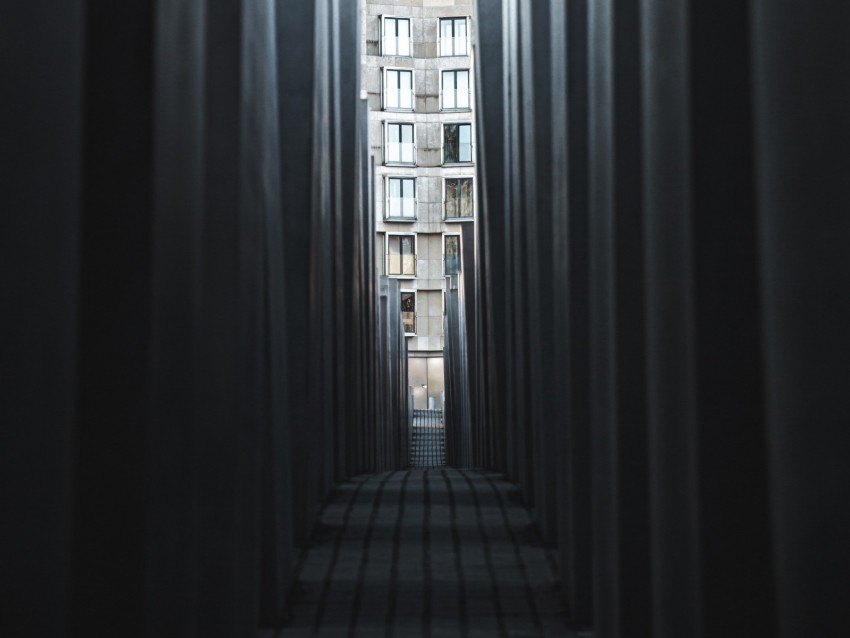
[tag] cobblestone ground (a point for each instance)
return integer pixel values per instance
(426, 552)
(428, 439)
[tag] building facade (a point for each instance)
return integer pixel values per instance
(418, 72)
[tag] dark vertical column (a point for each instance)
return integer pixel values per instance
(114, 311)
(735, 570)
(489, 158)
(229, 388)
(621, 522)
(542, 380)
(629, 316)
(606, 553)
(570, 263)
(295, 35)
(670, 320)
(39, 232)
(266, 561)
(802, 148)
(173, 427)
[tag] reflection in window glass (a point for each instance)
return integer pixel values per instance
(457, 143)
(459, 198)
(408, 311)
(451, 254)
(401, 256)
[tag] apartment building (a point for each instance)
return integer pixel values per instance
(418, 70)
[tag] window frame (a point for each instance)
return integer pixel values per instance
(454, 220)
(471, 162)
(409, 20)
(445, 235)
(398, 109)
(454, 53)
(402, 292)
(456, 109)
(388, 237)
(387, 161)
(387, 217)
(382, 238)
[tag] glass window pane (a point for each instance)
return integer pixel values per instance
(408, 256)
(466, 199)
(408, 189)
(450, 144)
(465, 134)
(446, 40)
(460, 37)
(407, 133)
(408, 311)
(392, 132)
(448, 90)
(394, 257)
(462, 90)
(395, 187)
(403, 37)
(451, 255)
(451, 198)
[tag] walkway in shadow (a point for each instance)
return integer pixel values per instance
(426, 552)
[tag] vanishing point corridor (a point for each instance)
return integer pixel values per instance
(425, 318)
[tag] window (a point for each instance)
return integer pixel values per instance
(401, 198)
(459, 202)
(400, 147)
(398, 89)
(453, 36)
(401, 255)
(408, 311)
(380, 254)
(457, 143)
(455, 89)
(396, 36)
(451, 254)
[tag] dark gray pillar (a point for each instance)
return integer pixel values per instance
(621, 523)
(800, 66)
(173, 430)
(114, 311)
(570, 263)
(490, 159)
(42, 67)
(296, 86)
(671, 321)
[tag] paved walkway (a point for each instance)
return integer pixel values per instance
(426, 552)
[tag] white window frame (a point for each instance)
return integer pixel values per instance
(450, 234)
(456, 109)
(387, 161)
(381, 238)
(460, 220)
(384, 20)
(454, 53)
(387, 216)
(400, 109)
(388, 237)
(415, 310)
(471, 162)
